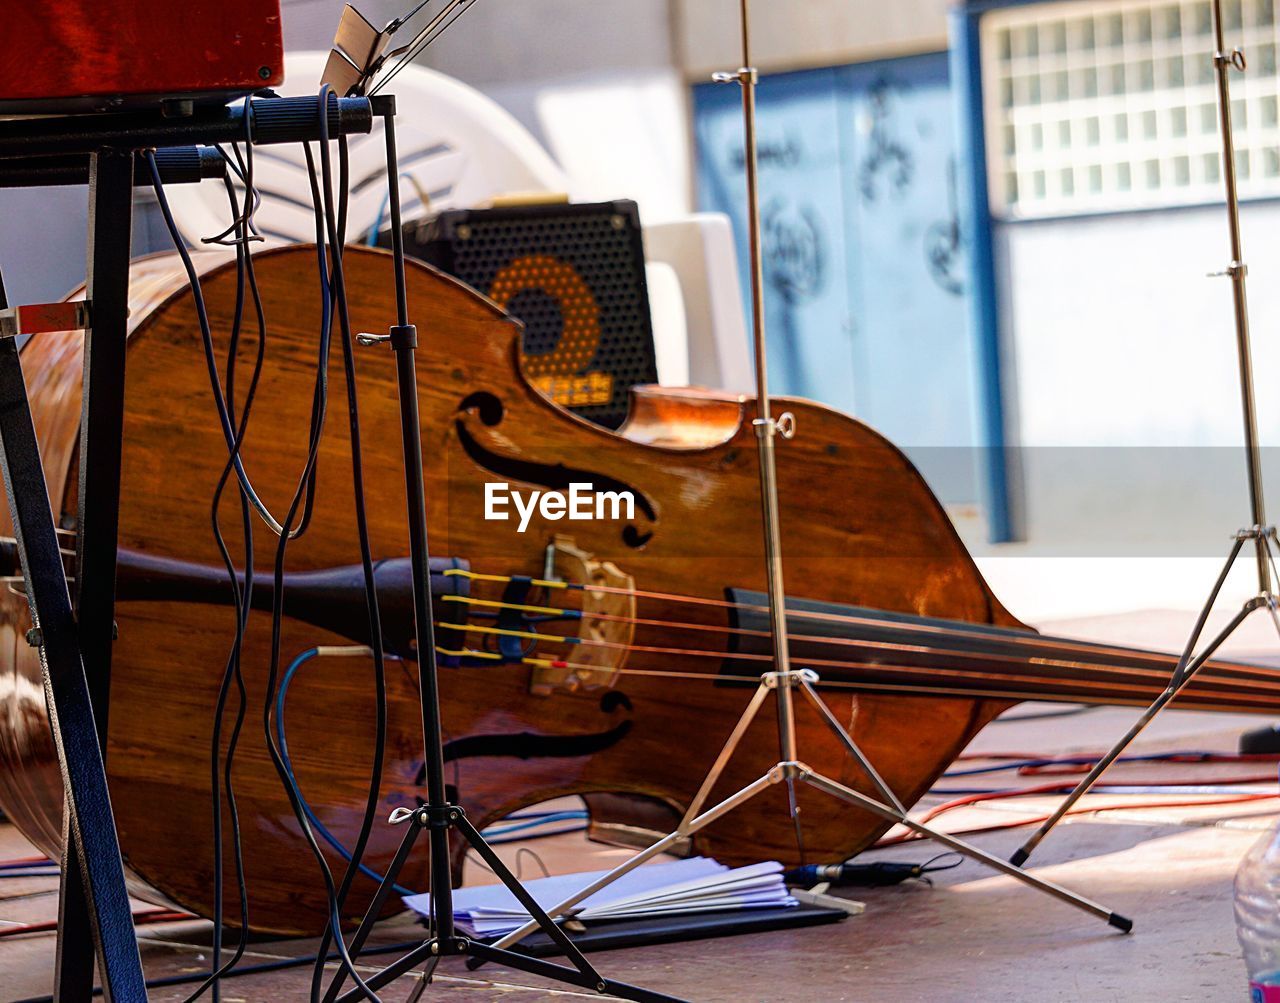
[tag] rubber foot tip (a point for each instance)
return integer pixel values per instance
(473, 964)
(1020, 858)
(1121, 923)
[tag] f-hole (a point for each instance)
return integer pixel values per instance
(555, 476)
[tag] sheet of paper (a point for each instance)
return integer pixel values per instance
(697, 884)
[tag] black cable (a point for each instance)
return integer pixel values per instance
(242, 599)
(329, 293)
(453, 10)
(224, 417)
(335, 219)
(287, 530)
(878, 874)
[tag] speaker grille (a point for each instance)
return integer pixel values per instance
(574, 276)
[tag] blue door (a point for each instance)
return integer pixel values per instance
(864, 283)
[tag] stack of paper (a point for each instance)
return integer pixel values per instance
(697, 884)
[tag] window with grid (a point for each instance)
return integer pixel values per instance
(1110, 106)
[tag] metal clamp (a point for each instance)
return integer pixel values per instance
(792, 677)
(1236, 59)
(745, 75)
(44, 318)
(366, 339)
(784, 425)
(1237, 269)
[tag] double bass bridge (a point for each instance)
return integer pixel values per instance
(606, 622)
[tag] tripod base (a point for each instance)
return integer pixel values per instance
(440, 820)
(433, 950)
(792, 771)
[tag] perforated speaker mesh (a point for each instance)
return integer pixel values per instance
(574, 275)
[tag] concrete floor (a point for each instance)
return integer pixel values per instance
(974, 935)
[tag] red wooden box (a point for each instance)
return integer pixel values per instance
(87, 55)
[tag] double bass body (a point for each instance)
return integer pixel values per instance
(859, 528)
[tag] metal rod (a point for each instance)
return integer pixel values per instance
(178, 165)
(438, 815)
(783, 679)
(374, 911)
(765, 426)
(403, 341)
(273, 120)
(854, 749)
(1237, 272)
(1259, 532)
(726, 752)
(98, 895)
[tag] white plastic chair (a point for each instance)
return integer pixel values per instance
(461, 149)
(456, 145)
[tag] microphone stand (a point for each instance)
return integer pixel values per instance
(784, 681)
(1259, 532)
(437, 817)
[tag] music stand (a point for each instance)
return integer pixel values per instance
(438, 816)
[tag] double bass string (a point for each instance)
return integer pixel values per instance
(1264, 676)
(1020, 639)
(933, 689)
(1095, 654)
(1131, 693)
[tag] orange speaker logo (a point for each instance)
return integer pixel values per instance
(559, 373)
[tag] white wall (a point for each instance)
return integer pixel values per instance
(1123, 377)
(790, 34)
(595, 80)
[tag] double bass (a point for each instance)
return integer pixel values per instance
(593, 657)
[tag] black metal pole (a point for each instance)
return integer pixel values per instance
(101, 434)
(404, 340)
(178, 165)
(75, 647)
(275, 120)
(95, 909)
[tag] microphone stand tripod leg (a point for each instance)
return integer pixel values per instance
(1182, 675)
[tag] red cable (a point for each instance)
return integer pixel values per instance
(1172, 757)
(139, 919)
(946, 806)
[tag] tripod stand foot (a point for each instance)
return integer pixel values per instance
(1122, 923)
(1020, 857)
(1260, 741)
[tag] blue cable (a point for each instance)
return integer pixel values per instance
(372, 239)
(500, 840)
(316, 824)
(501, 830)
(1018, 764)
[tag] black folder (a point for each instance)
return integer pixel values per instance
(609, 935)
